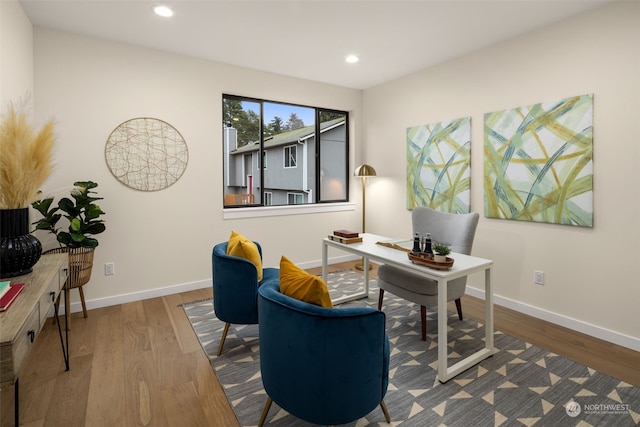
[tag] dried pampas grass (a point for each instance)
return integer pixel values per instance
(25, 159)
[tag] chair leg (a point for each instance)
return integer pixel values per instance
(423, 321)
(384, 411)
(381, 295)
(265, 411)
(224, 336)
(459, 307)
(84, 306)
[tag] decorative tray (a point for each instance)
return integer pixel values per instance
(427, 260)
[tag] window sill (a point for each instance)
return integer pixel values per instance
(262, 211)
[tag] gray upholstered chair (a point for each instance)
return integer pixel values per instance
(455, 230)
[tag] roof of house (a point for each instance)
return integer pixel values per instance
(290, 137)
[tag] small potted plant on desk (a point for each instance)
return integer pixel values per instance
(440, 252)
(83, 215)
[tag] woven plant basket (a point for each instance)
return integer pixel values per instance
(80, 265)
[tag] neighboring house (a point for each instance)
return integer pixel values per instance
(288, 162)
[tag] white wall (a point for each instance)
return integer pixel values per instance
(588, 285)
(163, 239)
(16, 55)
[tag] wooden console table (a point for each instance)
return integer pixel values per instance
(23, 320)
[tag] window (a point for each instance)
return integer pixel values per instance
(308, 148)
(295, 199)
(290, 156)
(264, 160)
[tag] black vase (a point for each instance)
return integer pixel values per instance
(19, 250)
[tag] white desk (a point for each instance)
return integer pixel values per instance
(463, 266)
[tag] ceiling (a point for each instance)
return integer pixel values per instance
(310, 39)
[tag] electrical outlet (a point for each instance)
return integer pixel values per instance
(538, 277)
(109, 269)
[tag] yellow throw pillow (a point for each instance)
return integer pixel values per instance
(298, 284)
(240, 246)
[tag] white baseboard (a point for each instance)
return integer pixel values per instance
(555, 318)
(561, 320)
(174, 289)
(138, 296)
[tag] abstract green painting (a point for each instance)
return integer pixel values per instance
(538, 162)
(439, 166)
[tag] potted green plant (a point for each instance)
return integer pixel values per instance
(25, 164)
(82, 213)
(440, 252)
(83, 216)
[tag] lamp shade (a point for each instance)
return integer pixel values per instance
(365, 170)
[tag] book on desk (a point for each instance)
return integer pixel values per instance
(12, 292)
(345, 236)
(346, 233)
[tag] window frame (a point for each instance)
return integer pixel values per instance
(314, 155)
(287, 156)
(295, 196)
(268, 196)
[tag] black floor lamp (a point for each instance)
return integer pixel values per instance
(364, 171)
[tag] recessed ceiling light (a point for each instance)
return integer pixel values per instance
(352, 59)
(163, 11)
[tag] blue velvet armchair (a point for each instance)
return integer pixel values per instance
(235, 288)
(323, 365)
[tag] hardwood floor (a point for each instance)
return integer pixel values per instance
(140, 364)
(135, 364)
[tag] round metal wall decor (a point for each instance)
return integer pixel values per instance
(146, 154)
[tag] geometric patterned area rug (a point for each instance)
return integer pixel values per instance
(520, 385)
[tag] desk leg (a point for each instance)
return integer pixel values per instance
(442, 331)
(445, 373)
(16, 402)
(346, 298)
(488, 310)
(325, 249)
(63, 342)
(365, 264)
